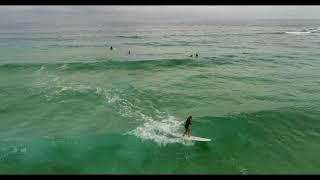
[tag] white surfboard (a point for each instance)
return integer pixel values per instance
(192, 138)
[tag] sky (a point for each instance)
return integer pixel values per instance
(16, 14)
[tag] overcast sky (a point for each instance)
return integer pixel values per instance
(153, 13)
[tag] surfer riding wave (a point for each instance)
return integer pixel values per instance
(186, 126)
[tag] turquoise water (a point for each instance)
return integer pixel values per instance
(70, 105)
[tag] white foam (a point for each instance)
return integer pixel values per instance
(65, 88)
(23, 150)
(64, 66)
(41, 68)
(244, 171)
(162, 132)
(78, 88)
(124, 107)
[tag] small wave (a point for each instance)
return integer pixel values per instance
(298, 32)
(160, 44)
(75, 46)
(230, 56)
(103, 64)
(314, 30)
(270, 33)
(228, 59)
(130, 37)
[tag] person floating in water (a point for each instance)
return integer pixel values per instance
(129, 52)
(186, 126)
(111, 48)
(196, 54)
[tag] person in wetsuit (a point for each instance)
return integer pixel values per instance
(186, 126)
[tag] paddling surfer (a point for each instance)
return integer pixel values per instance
(186, 126)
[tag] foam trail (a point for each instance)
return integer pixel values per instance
(161, 128)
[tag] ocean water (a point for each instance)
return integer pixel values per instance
(68, 104)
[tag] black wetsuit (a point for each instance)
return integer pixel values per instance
(188, 122)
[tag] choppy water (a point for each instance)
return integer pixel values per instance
(70, 105)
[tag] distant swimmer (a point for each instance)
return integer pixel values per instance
(186, 126)
(196, 54)
(129, 52)
(111, 48)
